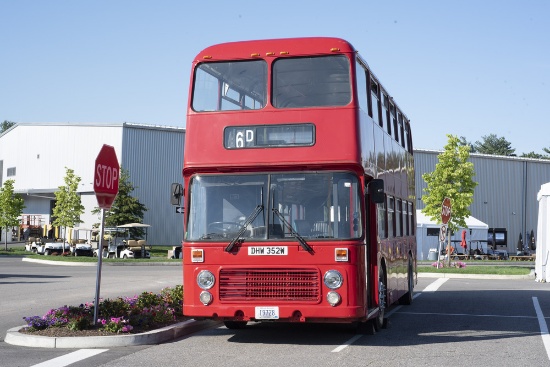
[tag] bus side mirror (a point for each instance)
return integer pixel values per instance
(376, 191)
(176, 193)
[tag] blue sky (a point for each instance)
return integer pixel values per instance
(468, 68)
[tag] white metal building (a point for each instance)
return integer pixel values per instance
(506, 195)
(35, 156)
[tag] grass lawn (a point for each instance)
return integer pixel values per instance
(158, 254)
(479, 269)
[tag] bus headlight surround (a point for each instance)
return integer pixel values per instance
(333, 279)
(206, 279)
(206, 298)
(333, 298)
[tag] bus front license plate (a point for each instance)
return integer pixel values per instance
(268, 250)
(267, 313)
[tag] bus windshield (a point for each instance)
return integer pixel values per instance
(299, 82)
(316, 205)
(311, 82)
(227, 86)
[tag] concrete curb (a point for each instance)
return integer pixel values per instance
(128, 263)
(14, 337)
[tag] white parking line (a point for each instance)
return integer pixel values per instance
(346, 344)
(430, 288)
(71, 358)
(435, 285)
(543, 327)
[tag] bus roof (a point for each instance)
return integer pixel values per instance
(274, 48)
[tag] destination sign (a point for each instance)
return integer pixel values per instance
(263, 136)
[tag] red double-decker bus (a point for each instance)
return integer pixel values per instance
(299, 187)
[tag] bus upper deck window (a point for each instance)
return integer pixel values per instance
(227, 86)
(311, 82)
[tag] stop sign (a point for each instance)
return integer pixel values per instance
(106, 175)
(446, 210)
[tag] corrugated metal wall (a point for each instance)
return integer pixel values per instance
(506, 195)
(154, 159)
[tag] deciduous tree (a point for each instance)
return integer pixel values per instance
(452, 178)
(68, 205)
(11, 207)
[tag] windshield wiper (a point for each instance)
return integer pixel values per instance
(249, 220)
(295, 234)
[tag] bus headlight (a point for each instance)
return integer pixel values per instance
(206, 298)
(333, 279)
(333, 298)
(205, 279)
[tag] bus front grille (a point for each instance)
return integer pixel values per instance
(237, 285)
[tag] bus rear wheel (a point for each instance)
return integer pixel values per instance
(407, 298)
(379, 320)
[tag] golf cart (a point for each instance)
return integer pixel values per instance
(81, 246)
(113, 243)
(120, 246)
(134, 248)
(38, 246)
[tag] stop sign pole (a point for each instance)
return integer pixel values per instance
(106, 177)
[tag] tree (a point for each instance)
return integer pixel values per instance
(11, 207)
(452, 178)
(125, 209)
(6, 125)
(464, 142)
(535, 155)
(68, 205)
(494, 145)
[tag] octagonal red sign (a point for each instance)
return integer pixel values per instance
(106, 176)
(446, 210)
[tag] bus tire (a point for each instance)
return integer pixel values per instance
(234, 325)
(407, 298)
(366, 327)
(379, 322)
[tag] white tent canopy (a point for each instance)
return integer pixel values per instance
(543, 235)
(427, 235)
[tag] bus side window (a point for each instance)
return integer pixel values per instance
(404, 221)
(361, 80)
(381, 220)
(375, 102)
(386, 113)
(401, 129)
(398, 231)
(408, 137)
(411, 219)
(393, 120)
(391, 217)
